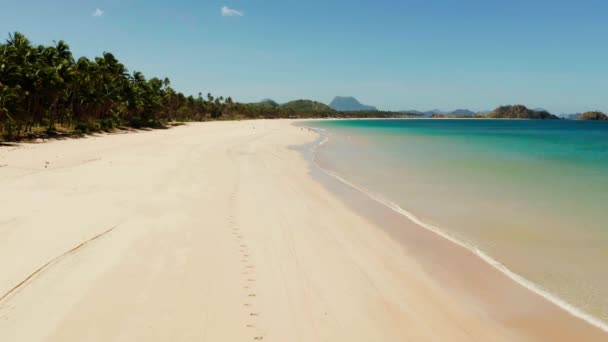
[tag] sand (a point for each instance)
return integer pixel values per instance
(220, 232)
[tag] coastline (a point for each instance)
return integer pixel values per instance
(330, 179)
(225, 232)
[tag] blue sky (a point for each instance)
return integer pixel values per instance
(408, 54)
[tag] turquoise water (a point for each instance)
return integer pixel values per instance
(532, 195)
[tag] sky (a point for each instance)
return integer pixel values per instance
(395, 55)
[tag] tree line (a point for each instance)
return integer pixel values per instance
(46, 89)
(45, 86)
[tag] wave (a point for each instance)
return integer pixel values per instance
(536, 288)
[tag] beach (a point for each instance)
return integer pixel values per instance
(225, 231)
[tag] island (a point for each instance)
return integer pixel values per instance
(593, 116)
(520, 112)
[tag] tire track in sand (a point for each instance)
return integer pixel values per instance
(52, 262)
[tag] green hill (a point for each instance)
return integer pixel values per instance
(593, 116)
(306, 106)
(266, 103)
(520, 112)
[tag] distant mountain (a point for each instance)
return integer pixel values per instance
(267, 103)
(520, 112)
(435, 111)
(444, 113)
(462, 112)
(593, 116)
(348, 104)
(307, 106)
(574, 116)
(504, 112)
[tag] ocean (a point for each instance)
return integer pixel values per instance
(529, 196)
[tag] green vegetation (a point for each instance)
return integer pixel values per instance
(307, 106)
(520, 112)
(593, 116)
(267, 103)
(46, 87)
(45, 90)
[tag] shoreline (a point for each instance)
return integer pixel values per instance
(224, 232)
(526, 284)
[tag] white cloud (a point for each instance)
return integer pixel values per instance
(98, 12)
(230, 12)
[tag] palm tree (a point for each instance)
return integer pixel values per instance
(45, 85)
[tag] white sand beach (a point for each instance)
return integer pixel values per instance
(218, 232)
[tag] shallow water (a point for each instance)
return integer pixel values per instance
(531, 194)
